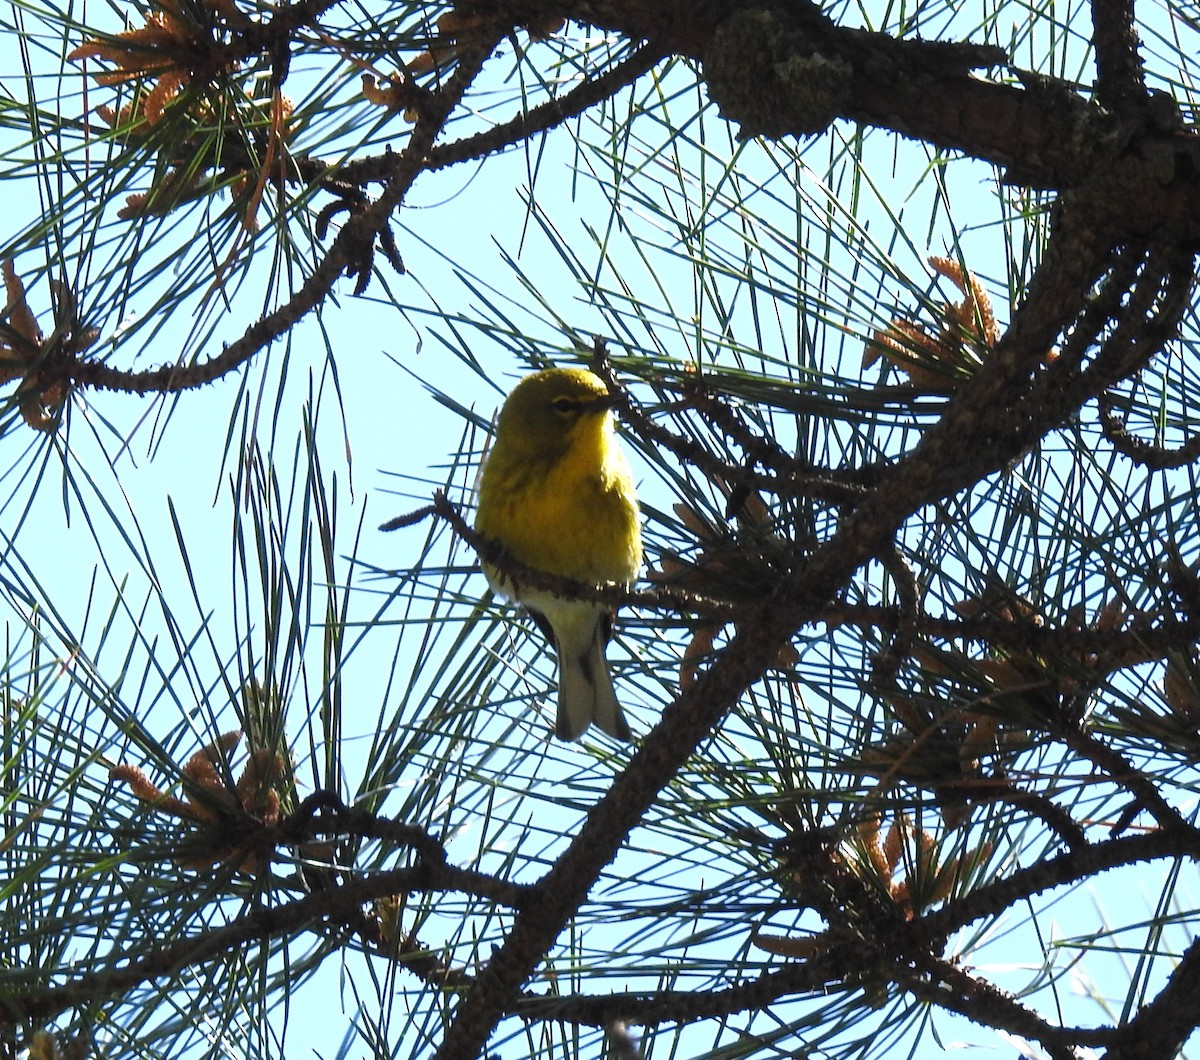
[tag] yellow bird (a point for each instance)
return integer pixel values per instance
(557, 492)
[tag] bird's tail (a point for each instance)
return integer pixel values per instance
(585, 688)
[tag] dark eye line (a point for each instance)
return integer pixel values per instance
(564, 405)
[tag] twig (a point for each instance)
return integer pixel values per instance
(125, 971)
(1148, 454)
(360, 230)
(1122, 772)
(1069, 867)
(822, 485)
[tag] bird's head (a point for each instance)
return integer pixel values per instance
(550, 411)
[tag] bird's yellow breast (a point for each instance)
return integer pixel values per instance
(572, 513)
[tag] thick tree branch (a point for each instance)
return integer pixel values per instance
(787, 69)
(1160, 1028)
(1119, 77)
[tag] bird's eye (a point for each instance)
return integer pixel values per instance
(564, 406)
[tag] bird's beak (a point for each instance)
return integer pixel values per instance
(604, 404)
